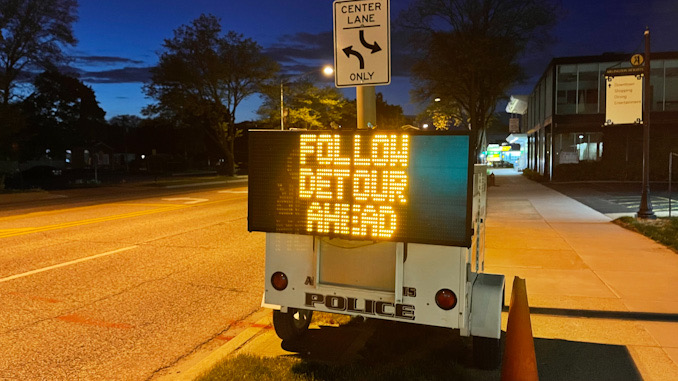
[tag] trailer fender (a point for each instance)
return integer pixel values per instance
(487, 297)
(276, 307)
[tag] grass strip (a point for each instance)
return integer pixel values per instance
(662, 230)
(396, 351)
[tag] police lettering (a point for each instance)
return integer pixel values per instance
(363, 307)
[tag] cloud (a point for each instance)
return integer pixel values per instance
(292, 48)
(301, 52)
(123, 75)
(105, 60)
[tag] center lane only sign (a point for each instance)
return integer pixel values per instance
(362, 43)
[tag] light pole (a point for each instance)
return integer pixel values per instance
(327, 71)
(645, 209)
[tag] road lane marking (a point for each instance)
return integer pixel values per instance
(232, 191)
(187, 200)
(69, 263)
(12, 232)
(205, 183)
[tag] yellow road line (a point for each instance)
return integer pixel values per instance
(13, 232)
(6, 233)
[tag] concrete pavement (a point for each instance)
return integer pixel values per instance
(604, 300)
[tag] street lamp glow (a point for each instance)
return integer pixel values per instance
(328, 70)
(437, 100)
(425, 125)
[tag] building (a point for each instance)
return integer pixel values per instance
(564, 128)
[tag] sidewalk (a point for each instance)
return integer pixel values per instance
(603, 299)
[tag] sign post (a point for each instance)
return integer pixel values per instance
(645, 210)
(362, 52)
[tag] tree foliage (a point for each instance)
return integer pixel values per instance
(388, 116)
(203, 76)
(62, 113)
(33, 33)
(305, 105)
(472, 48)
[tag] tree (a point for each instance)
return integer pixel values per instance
(472, 48)
(306, 105)
(202, 76)
(63, 113)
(388, 116)
(33, 33)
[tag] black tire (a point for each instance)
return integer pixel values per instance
(486, 352)
(293, 324)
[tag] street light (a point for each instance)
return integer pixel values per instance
(327, 71)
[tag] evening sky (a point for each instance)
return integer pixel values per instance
(119, 40)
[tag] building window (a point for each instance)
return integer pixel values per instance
(587, 100)
(657, 83)
(566, 90)
(576, 147)
(670, 85)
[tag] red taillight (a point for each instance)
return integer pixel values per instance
(446, 299)
(279, 280)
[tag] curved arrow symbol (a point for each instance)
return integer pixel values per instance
(375, 48)
(350, 51)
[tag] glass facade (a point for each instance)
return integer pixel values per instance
(569, 88)
(572, 148)
(670, 85)
(580, 88)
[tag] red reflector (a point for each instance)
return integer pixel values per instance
(446, 299)
(279, 280)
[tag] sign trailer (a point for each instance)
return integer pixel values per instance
(380, 224)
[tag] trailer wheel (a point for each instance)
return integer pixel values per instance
(292, 324)
(486, 352)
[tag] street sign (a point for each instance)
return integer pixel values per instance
(637, 60)
(624, 99)
(362, 43)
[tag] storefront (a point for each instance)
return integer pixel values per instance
(565, 117)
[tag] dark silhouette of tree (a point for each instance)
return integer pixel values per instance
(203, 76)
(388, 116)
(471, 50)
(62, 113)
(33, 35)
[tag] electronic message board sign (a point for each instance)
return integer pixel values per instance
(363, 185)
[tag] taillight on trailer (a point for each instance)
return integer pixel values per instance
(446, 299)
(279, 280)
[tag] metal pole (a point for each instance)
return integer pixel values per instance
(282, 110)
(670, 178)
(366, 103)
(645, 210)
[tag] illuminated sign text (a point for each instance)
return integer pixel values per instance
(375, 173)
(361, 185)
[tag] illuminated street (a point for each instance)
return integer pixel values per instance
(123, 287)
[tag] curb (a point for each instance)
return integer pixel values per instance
(224, 351)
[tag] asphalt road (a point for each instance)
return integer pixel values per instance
(123, 283)
(619, 198)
